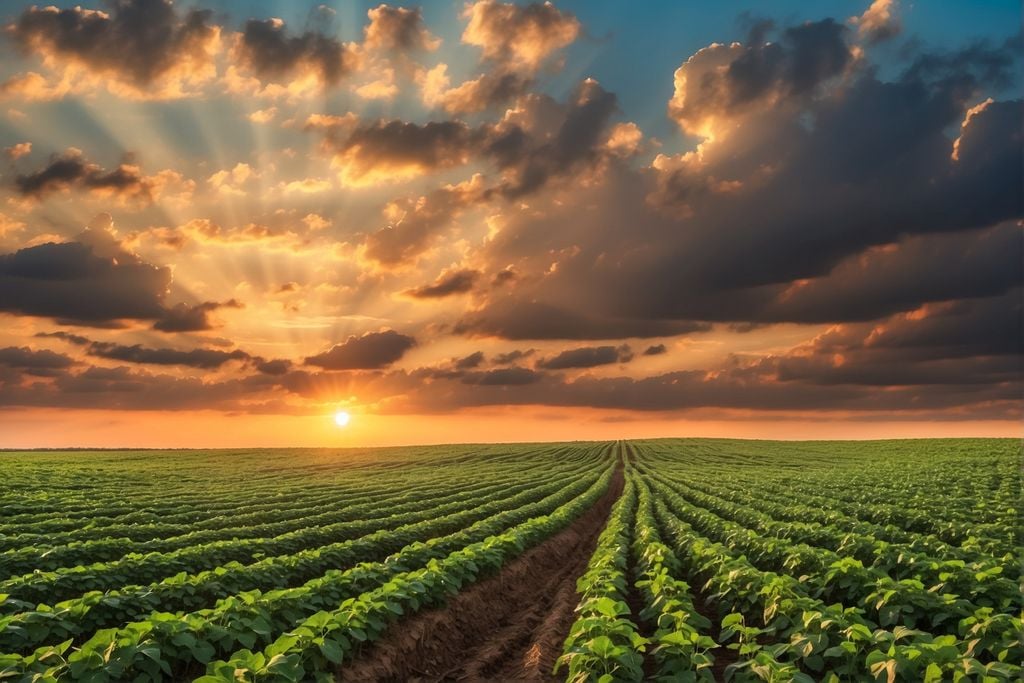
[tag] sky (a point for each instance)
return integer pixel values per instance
(224, 222)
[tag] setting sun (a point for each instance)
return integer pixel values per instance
(341, 418)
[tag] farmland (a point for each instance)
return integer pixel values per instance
(641, 560)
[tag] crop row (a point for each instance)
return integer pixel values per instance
(46, 625)
(807, 636)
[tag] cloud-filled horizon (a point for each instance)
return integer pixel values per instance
(802, 211)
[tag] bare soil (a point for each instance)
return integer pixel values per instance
(509, 627)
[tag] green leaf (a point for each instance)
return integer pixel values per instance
(332, 651)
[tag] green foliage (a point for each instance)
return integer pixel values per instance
(813, 561)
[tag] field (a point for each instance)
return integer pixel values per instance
(676, 560)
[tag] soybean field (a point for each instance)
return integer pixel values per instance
(669, 559)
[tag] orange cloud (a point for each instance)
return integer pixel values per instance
(519, 36)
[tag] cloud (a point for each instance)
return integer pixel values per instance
(71, 170)
(489, 90)
(370, 351)
(784, 218)
(398, 29)
(512, 318)
(450, 282)
(519, 36)
(655, 350)
(265, 49)
(90, 280)
(531, 156)
(274, 367)
(512, 356)
(231, 182)
(517, 40)
(503, 377)
(389, 151)
(540, 141)
(469, 362)
(722, 83)
(19, 150)
(415, 223)
(904, 275)
(879, 21)
(184, 317)
(587, 357)
(35, 362)
(204, 359)
(142, 49)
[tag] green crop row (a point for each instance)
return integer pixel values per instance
(809, 639)
(681, 641)
(31, 629)
(326, 639)
(603, 643)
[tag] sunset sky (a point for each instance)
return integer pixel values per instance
(221, 222)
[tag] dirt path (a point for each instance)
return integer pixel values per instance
(509, 627)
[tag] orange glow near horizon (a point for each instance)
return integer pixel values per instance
(50, 428)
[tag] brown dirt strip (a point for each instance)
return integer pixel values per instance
(509, 627)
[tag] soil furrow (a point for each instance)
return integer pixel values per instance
(508, 627)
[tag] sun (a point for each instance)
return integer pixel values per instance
(341, 418)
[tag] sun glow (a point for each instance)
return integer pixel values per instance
(341, 418)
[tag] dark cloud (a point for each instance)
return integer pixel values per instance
(370, 351)
(512, 356)
(266, 49)
(957, 344)
(76, 339)
(380, 150)
(503, 377)
(273, 367)
(72, 170)
(514, 319)
(904, 275)
(787, 216)
(72, 281)
(122, 388)
(808, 379)
(138, 41)
(655, 350)
(587, 357)
(990, 326)
(450, 282)
(546, 140)
(571, 137)
(725, 81)
(206, 359)
(40, 362)
(964, 70)
(469, 362)
(184, 317)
